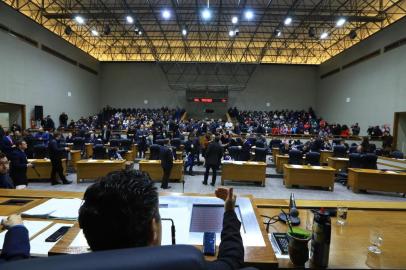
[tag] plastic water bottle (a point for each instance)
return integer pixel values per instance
(320, 243)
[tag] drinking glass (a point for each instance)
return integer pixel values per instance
(342, 213)
(376, 239)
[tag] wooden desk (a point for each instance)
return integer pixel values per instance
(304, 175)
(179, 155)
(154, 169)
(324, 154)
(75, 156)
(275, 151)
(393, 163)
(134, 148)
(43, 167)
(246, 171)
(349, 243)
(365, 179)
(89, 150)
(129, 156)
(280, 161)
(93, 169)
(338, 163)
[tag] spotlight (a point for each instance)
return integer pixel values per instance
(231, 33)
(79, 19)
(206, 14)
(352, 34)
(288, 21)
(184, 32)
(129, 19)
(68, 30)
(234, 19)
(324, 35)
(340, 22)
(95, 33)
(107, 30)
(139, 32)
(249, 14)
(166, 14)
(277, 33)
(312, 32)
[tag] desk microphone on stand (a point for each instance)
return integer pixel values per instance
(293, 213)
(173, 231)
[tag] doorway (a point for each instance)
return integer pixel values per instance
(12, 113)
(399, 131)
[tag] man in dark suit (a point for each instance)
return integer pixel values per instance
(138, 223)
(213, 155)
(56, 155)
(166, 157)
(5, 181)
(105, 134)
(19, 165)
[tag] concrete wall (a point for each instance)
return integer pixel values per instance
(32, 77)
(376, 87)
(283, 86)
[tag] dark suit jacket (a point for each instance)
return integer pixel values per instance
(5, 181)
(18, 167)
(55, 152)
(214, 153)
(16, 244)
(166, 157)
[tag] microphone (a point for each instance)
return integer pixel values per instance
(293, 212)
(173, 231)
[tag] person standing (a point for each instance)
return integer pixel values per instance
(166, 157)
(56, 155)
(213, 155)
(7, 144)
(63, 120)
(19, 165)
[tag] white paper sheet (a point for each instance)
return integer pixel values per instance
(40, 248)
(79, 241)
(33, 228)
(296, 166)
(181, 218)
(92, 160)
(317, 167)
(56, 208)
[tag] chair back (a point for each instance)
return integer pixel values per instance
(99, 152)
(126, 144)
(115, 143)
(368, 161)
(295, 157)
(354, 160)
(397, 154)
(78, 143)
(40, 151)
(154, 152)
(313, 158)
(260, 154)
(176, 142)
(234, 152)
(339, 151)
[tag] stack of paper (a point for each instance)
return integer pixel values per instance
(67, 209)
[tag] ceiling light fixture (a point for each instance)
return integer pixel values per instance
(129, 19)
(324, 35)
(95, 33)
(166, 14)
(341, 22)
(249, 14)
(79, 19)
(184, 32)
(231, 33)
(206, 14)
(234, 19)
(288, 21)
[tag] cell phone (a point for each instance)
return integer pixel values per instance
(58, 234)
(209, 243)
(16, 202)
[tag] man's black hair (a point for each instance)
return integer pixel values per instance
(117, 211)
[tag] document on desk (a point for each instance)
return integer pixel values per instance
(67, 209)
(80, 240)
(33, 228)
(40, 248)
(317, 167)
(181, 218)
(92, 160)
(296, 166)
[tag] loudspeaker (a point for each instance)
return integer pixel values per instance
(38, 113)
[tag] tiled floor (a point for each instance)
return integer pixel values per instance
(274, 188)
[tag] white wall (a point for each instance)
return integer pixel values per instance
(32, 77)
(127, 85)
(376, 87)
(283, 86)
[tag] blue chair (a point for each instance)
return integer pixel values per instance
(313, 158)
(154, 152)
(40, 151)
(369, 161)
(339, 151)
(99, 152)
(295, 157)
(260, 154)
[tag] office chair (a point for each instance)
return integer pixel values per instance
(234, 152)
(176, 142)
(40, 151)
(99, 152)
(295, 157)
(275, 143)
(79, 143)
(353, 149)
(260, 154)
(368, 161)
(313, 158)
(177, 257)
(115, 143)
(339, 151)
(126, 144)
(379, 151)
(336, 141)
(160, 142)
(354, 162)
(397, 154)
(154, 152)
(372, 148)
(259, 144)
